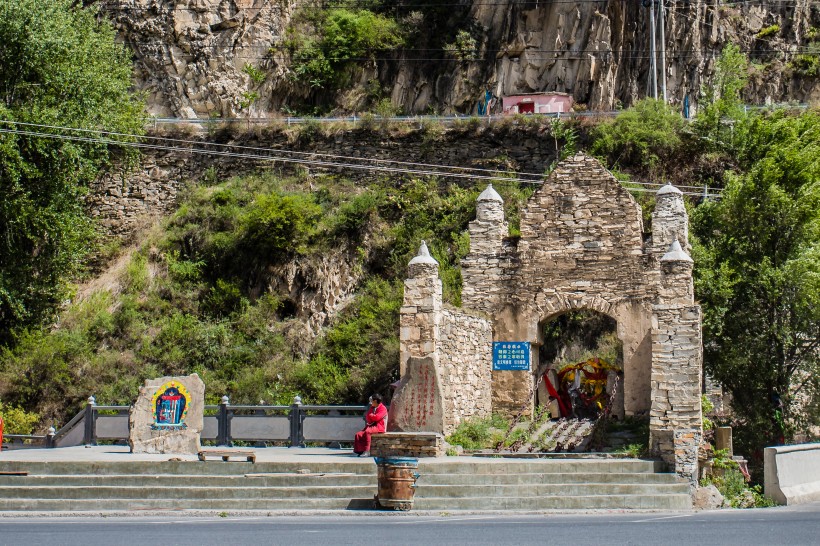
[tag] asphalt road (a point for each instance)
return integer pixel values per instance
(784, 525)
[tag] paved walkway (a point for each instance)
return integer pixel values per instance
(112, 453)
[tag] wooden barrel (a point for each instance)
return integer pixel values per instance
(397, 482)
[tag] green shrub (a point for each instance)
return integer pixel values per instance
(479, 433)
(342, 37)
(737, 492)
(768, 31)
(645, 136)
(16, 420)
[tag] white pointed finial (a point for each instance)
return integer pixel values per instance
(676, 254)
(669, 189)
(423, 257)
(489, 194)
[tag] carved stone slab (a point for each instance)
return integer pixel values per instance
(417, 405)
(168, 415)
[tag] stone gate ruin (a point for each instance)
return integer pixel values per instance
(582, 246)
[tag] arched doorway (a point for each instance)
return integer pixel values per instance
(580, 365)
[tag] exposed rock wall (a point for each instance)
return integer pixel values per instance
(191, 56)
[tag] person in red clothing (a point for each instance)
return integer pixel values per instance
(375, 422)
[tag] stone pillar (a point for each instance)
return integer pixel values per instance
(481, 269)
(421, 309)
(669, 220)
(675, 425)
(418, 403)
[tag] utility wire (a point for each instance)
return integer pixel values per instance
(309, 162)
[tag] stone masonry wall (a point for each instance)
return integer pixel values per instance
(675, 420)
(122, 201)
(581, 247)
(465, 350)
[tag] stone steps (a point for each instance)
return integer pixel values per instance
(340, 479)
(462, 483)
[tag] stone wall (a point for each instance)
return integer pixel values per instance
(445, 357)
(581, 247)
(675, 420)
(122, 201)
(465, 345)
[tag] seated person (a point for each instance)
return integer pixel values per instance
(375, 421)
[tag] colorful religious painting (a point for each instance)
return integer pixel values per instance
(170, 405)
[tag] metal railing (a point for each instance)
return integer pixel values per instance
(223, 424)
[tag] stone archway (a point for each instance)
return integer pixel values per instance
(582, 246)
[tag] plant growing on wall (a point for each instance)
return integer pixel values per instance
(331, 41)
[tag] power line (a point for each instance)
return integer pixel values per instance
(379, 165)
(536, 177)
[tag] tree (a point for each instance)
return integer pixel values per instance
(723, 110)
(758, 278)
(645, 137)
(59, 67)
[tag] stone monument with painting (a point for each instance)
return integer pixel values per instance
(168, 415)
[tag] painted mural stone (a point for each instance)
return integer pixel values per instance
(168, 416)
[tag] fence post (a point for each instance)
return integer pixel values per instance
(223, 435)
(50, 437)
(90, 434)
(295, 417)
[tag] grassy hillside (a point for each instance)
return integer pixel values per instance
(194, 295)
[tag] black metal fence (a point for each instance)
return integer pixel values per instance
(223, 425)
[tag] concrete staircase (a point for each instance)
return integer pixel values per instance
(451, 484)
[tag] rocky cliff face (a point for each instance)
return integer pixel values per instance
(192, 57)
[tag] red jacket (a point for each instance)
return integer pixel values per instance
(376, 419)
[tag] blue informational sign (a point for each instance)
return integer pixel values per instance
(511, 355)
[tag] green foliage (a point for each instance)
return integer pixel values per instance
(758, 277)
(565, 136)
(340, 38)
(808, 63)
(722, 460)
(464, 48)
(58, 66)
(732, 485)
(706, 408)
(645, 137)
(16, 420)
(720, 121)
(257, 76)
(765, 32)
(479, 433)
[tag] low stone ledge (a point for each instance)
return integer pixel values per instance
(407, 444)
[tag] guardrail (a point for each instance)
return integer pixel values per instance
(298, 120)
(370, 118)
(223, 424)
